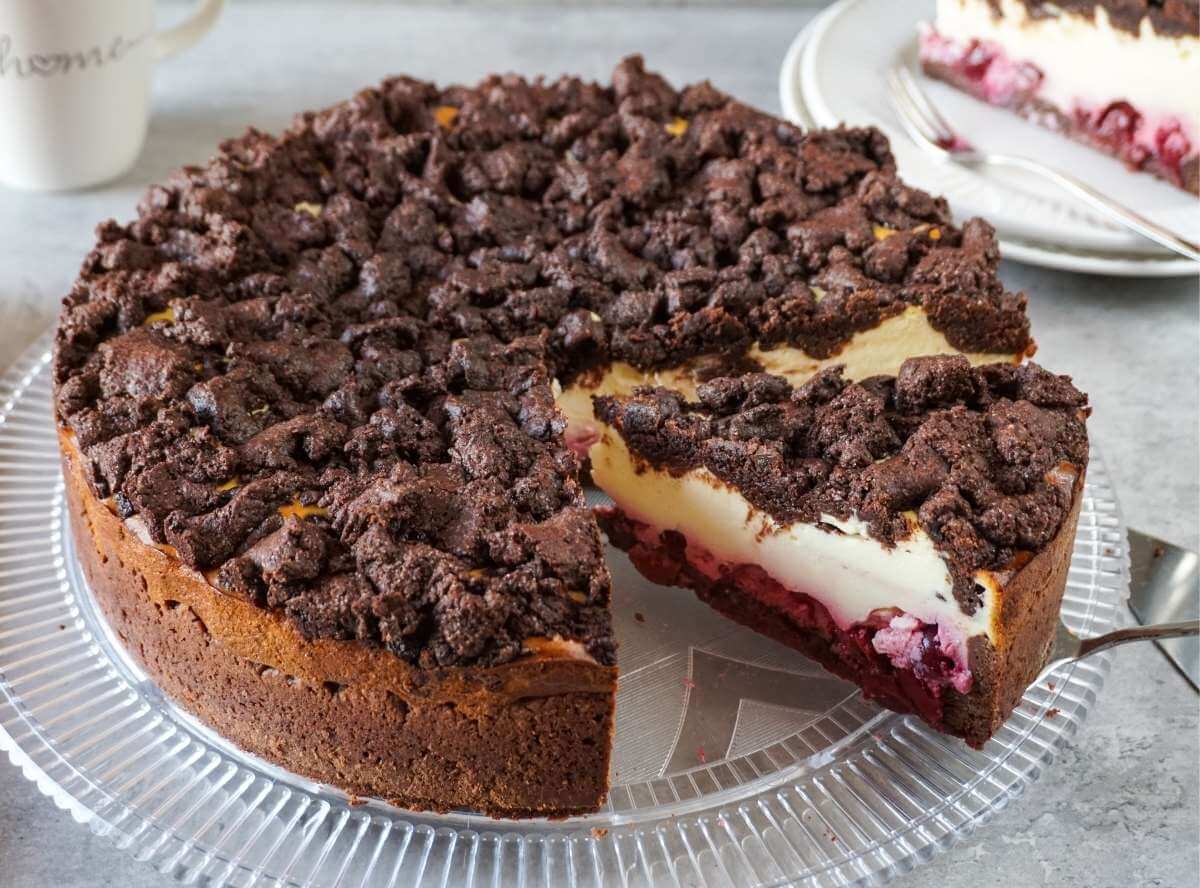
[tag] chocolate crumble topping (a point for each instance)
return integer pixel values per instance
(320, 366)
(985, 457)
(1174, 18)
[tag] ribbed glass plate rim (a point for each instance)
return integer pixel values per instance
(120, 759)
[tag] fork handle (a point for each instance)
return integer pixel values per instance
(1111, 208)
(1153, 632)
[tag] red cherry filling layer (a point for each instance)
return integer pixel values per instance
(895, 658)
(983, 69)
(992, 76)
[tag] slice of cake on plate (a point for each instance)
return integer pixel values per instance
(911, 533)
(1119, 75)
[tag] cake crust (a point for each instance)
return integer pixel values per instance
(343, 713)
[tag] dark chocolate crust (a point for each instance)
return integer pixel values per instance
(1029, 604)
(986, 456)
(365, 316)
(527, 739)
(1173, 17)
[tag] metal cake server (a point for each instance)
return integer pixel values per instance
(1069, 646)
(1165, 589)
(932, 132)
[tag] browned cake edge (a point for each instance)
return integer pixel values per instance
(1030, 603)
(529, 738)
(1028, 615)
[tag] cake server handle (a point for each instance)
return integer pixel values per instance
(1068, 646)
(1116, 211)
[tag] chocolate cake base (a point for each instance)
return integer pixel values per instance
(527, 739)
(1029, 614)
(1054, 118)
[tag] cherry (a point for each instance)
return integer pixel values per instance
(1117, 123)
(976, 59)
(1028, 77)
(1173, 146)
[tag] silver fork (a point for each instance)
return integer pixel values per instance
(931, 131)
(1069, 646)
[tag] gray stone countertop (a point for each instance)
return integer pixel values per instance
(1119, 808)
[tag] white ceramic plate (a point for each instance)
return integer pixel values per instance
(835, 71)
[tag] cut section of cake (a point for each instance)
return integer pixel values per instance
(1119, 75)
(911, 533)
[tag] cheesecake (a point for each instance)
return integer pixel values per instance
(1119, 75)
(322, 405)
(911, 533)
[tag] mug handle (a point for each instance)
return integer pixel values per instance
(186, 33)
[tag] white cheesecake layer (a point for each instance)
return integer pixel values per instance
(850, 573)
(1088, 62)
(880, 350)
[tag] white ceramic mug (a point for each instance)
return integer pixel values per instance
(75, 86)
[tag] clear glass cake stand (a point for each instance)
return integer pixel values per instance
(737, 762)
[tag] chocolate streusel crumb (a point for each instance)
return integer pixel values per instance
(985, 457)
(320, 366)
(1171, 17)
